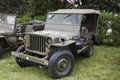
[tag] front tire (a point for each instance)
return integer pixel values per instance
(19, 61)
(61, 64)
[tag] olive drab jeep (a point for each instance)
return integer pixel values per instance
(11, 33)
(67, 32)
(7, 36)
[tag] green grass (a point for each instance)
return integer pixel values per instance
(103, 65)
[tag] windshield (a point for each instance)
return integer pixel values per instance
(7, 19)
(67, 19)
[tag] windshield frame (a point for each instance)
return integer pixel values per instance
(64, 19)
(9, 19)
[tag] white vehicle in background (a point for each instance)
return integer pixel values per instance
(11, 34)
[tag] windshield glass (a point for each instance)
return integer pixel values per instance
(67, 19)
(7, 19)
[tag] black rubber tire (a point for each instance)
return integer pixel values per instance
(60, 64)
(1, 51)
(90, 50)
(19, 61)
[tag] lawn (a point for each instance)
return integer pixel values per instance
(103, 65)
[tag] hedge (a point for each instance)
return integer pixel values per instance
(112, 22)
(26, 18)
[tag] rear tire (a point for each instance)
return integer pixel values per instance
(90, 50)
(61, 64)
(1, 51)
(19, 61)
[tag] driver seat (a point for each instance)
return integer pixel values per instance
(84, 33)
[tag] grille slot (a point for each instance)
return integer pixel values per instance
(37, 43)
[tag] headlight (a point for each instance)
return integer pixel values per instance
(49, 40)
(57, 40)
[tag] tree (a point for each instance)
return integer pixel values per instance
(107, 5)
(41, 7)
(14, 6)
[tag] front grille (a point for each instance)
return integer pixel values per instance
(38, 43)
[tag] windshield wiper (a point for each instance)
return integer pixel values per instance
(67, 16)
(51, 16)
(1, 21)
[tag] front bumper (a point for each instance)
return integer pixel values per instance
(41, 61)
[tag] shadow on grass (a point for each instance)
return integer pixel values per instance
(7, 52)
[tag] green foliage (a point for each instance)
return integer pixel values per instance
(41, 7)
(116, 30)
(27, 18)
(102, 25)
(43, 18)
(19, 7)
(107, 5)
(35, 5)
(109, 21)
(23, 19)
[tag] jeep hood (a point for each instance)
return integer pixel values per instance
(6, 28)
(55, 34)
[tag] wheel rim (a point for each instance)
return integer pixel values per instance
(63, 64)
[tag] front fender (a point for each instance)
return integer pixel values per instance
(1, 36)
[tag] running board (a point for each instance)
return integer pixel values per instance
(81, 50)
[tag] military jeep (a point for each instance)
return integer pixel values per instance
(7, 35)
(67, 32)
(11, 33)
